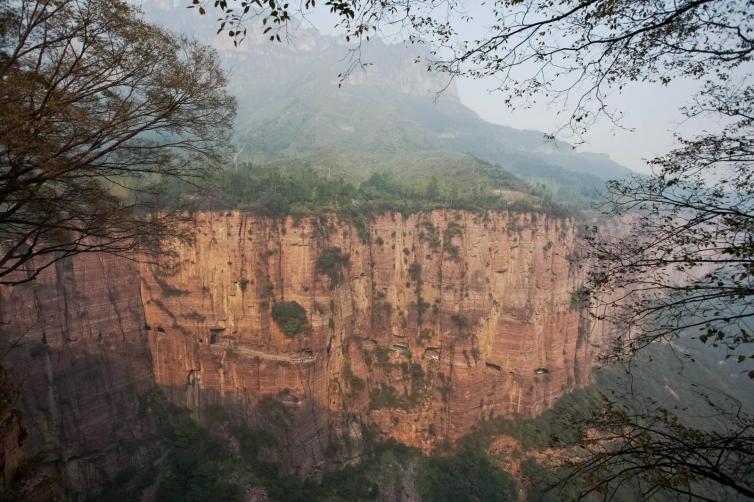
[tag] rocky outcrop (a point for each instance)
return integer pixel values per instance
(437, 321)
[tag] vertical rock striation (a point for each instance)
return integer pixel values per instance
(432, 322)
(439, 320)
(80, 359)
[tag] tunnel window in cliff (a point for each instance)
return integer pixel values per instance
(193, 378)
(214, 335)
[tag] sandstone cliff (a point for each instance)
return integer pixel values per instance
(433, 322)
(440, 320)
(79, 359)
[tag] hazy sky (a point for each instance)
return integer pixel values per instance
(651, 117)
(651, 113)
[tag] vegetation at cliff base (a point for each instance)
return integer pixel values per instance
(290, 317)
(196, 466)
(467, 474)
(199, 465)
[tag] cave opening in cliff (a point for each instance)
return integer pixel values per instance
(214, 335)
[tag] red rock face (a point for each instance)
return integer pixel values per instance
(80, 363)
(440, 320)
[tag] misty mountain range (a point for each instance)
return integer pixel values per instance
(387, 116)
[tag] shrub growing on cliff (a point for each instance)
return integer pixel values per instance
(460, 321)
(330, 262)
(430, 234)
(415, 272)
(242, 283)
(451, 231)
(290, 317)
(385, 396)
(357, 384)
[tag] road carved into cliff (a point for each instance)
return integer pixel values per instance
(299, 358)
